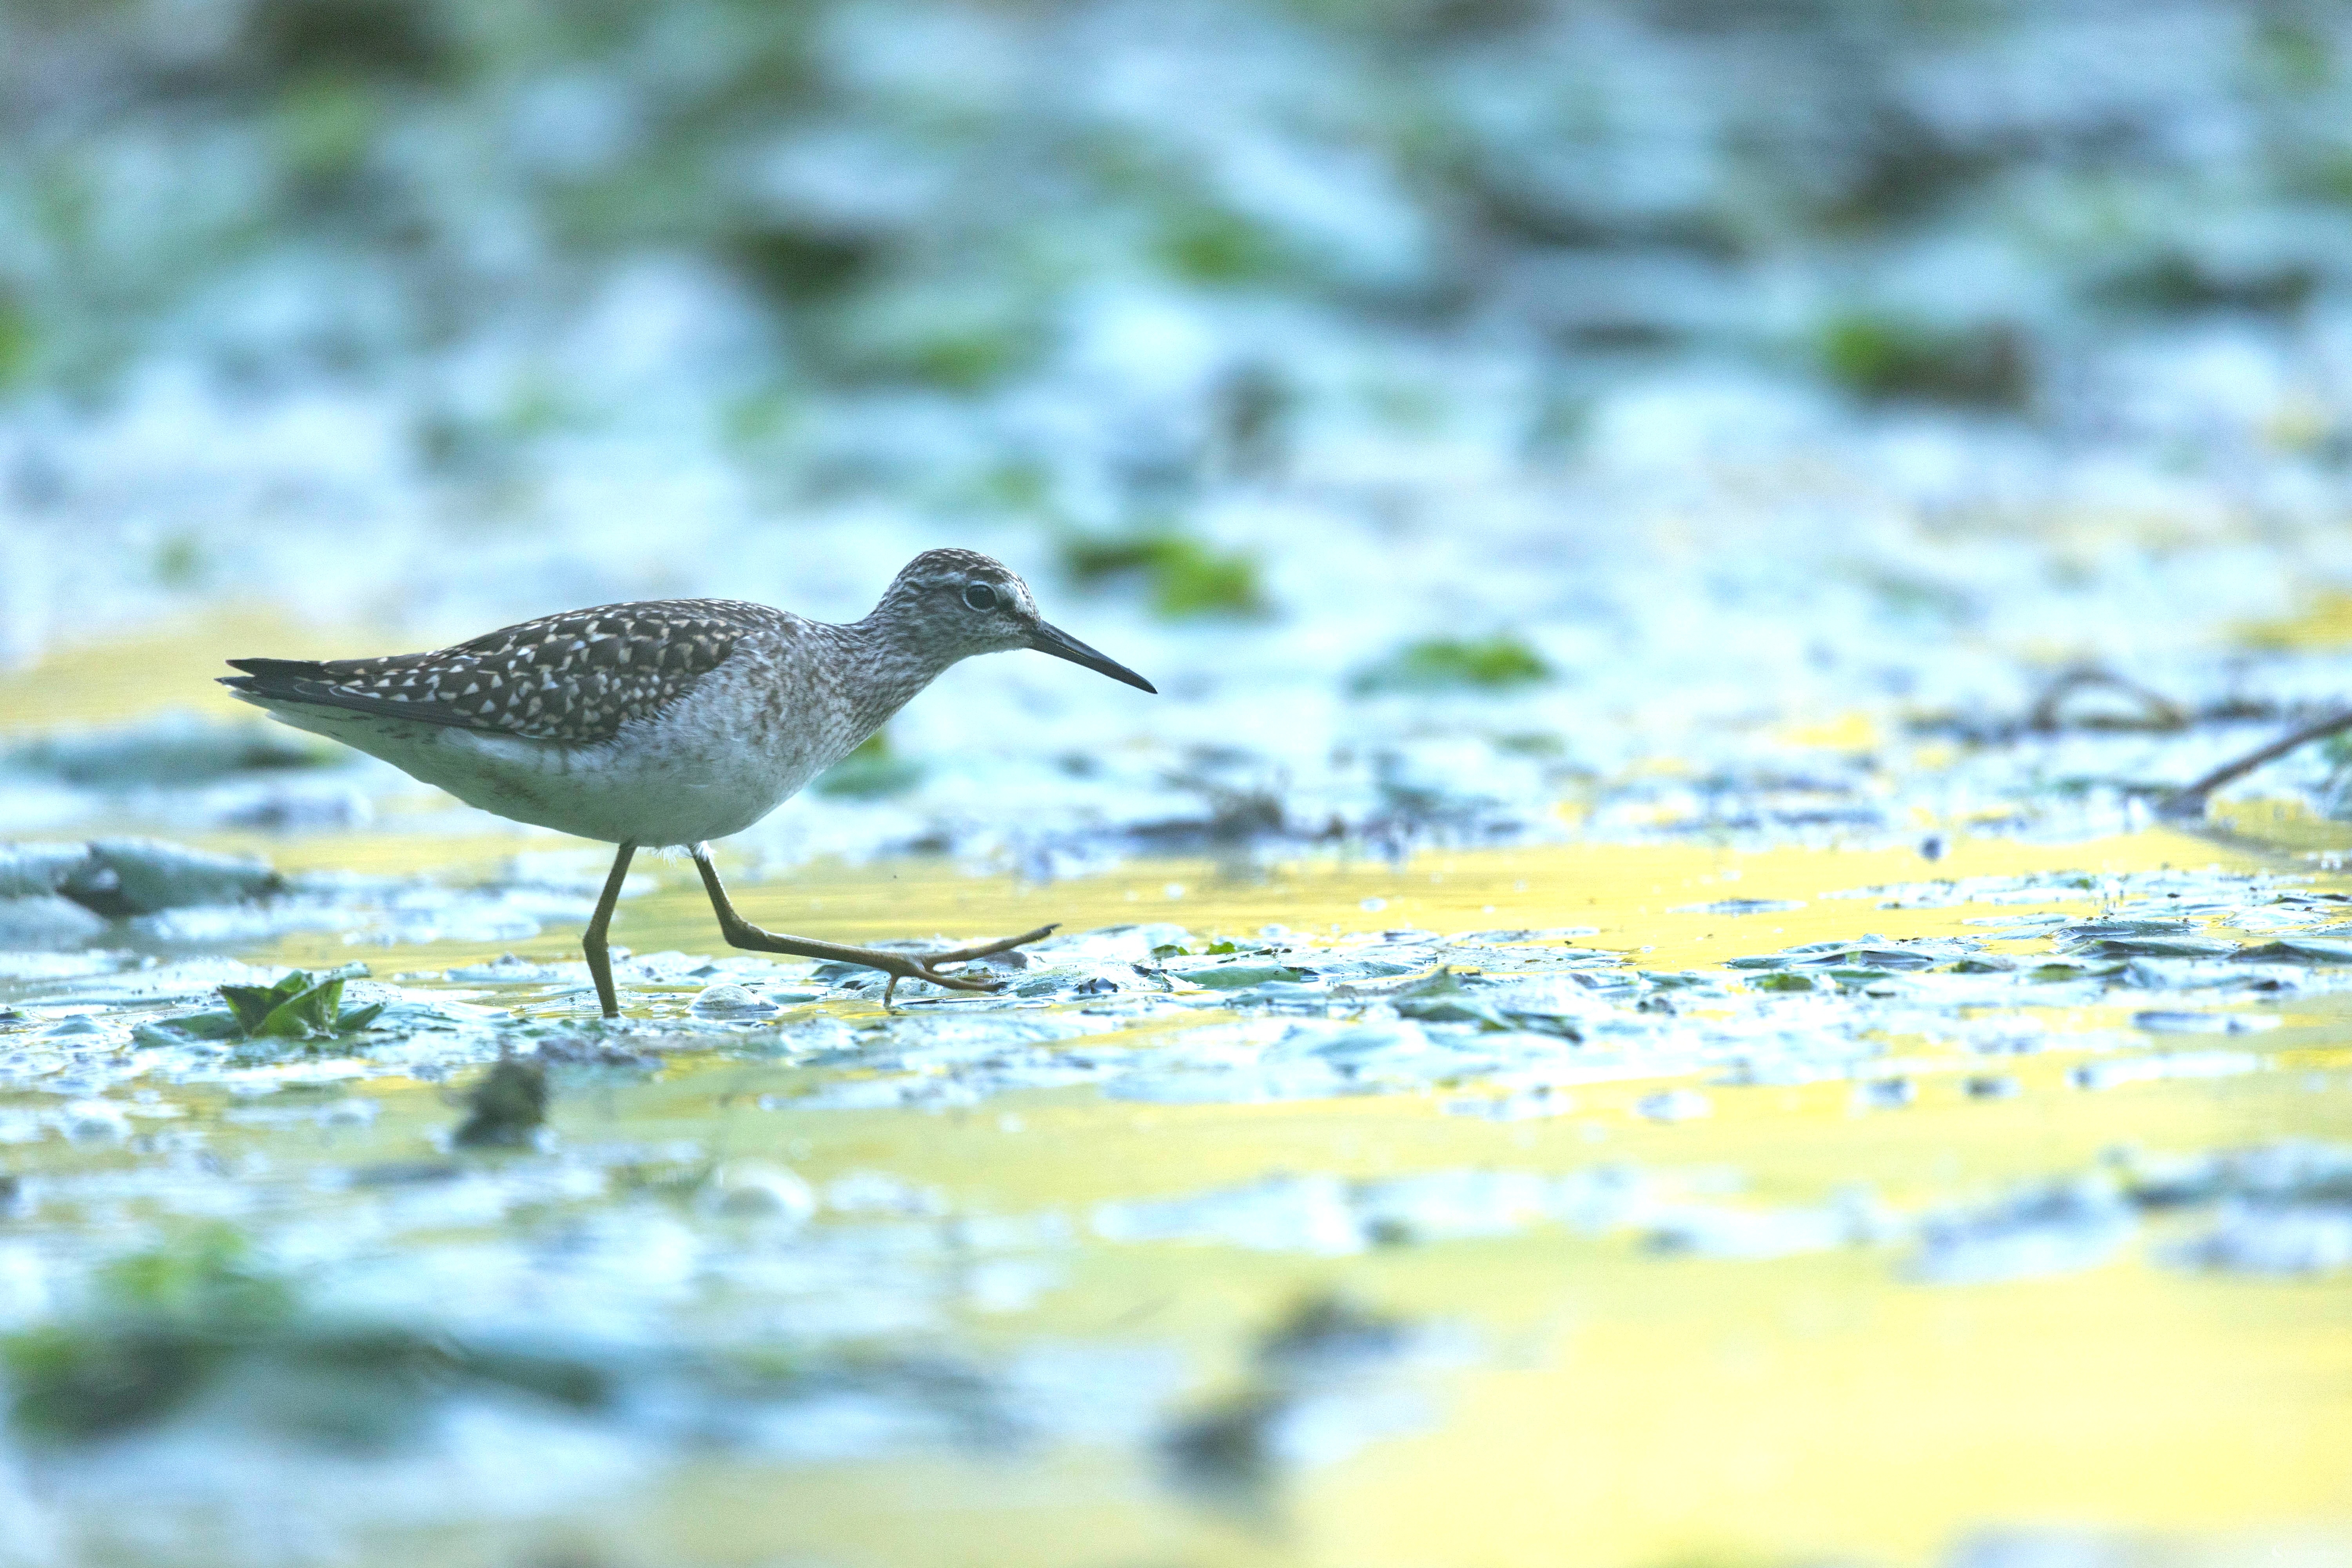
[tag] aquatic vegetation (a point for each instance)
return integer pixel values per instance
(172, 1317)
(296, 1007)
(1182, 577)
(197, 1318)
(729, 1189)
(1884, 356)
(1499, 663)
(408, 41)
(1624, 1050)
(18, 345)
(2179, 281)
(506, 1109)
(872, 772)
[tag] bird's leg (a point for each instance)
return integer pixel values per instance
(740, 932)
(600, 962)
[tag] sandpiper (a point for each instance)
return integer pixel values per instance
(671, 721)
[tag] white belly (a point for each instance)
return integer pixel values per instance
(621, 794)
(699, 773)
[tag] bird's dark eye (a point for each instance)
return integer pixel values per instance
(980, 596)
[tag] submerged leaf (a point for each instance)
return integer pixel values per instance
(1234, 976)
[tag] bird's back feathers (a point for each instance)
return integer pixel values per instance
(575, 678)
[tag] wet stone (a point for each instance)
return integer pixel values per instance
(2161, 1022)
(1885, 1093)
(2056, 1230)
(506, 1107)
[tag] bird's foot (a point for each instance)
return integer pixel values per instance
(920, 965)
(898, 966)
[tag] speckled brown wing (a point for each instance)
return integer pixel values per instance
(575, 678)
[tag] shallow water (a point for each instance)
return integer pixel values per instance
(1856, 1270)
(1682, 545)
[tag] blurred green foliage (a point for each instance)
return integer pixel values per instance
(16, 343)
(1883, 357)
(1210, 245)
(200, 1312)
(1184, 578)
(405, 40)
(907, 219)
(2324, 175)
(208, 1276)
(167, 1321)
(506, 1107)
(2176, 283)
(798, 264)
(1499, 663)
(872, 772)
(324, 127)
(2291, 54)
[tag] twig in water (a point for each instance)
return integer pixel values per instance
(2162, 713)
(2189, 799)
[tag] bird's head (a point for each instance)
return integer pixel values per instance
(952, 603)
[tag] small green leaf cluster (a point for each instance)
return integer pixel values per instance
(298, 1006)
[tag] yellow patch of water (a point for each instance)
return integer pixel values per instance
(1850, 732)
(126, 679)
(2324, 621)
(2288, 827)
(1623, 1408)
(1617, 1407)
(1645, 901)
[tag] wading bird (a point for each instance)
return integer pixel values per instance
(671, 721)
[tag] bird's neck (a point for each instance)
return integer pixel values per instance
(890, 669)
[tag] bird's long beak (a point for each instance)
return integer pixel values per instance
(1062, 645)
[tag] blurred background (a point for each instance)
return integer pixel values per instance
(1450, 403)
(1556, 457)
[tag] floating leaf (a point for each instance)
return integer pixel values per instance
(251, 1005)
(309, 1012)
(298, 1006)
